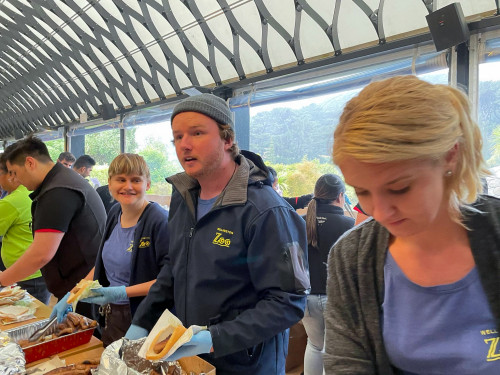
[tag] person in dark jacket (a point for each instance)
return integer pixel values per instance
(107, 200)
(68, 220)
(296, 202)
(416, 288)
(325, 223)
(133, 250)
(237, 261)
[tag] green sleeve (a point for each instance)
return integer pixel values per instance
(8, 215)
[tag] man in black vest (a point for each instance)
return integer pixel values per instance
(68, 220)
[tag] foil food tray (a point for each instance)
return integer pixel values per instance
(12, 360)
(50, 347)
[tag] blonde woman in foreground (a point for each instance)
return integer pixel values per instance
(416, 289)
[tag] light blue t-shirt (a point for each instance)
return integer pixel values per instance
(117, 255)
(445, 329)
(204, 206)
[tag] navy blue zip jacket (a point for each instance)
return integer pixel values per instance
(149, 251)
(241, 269)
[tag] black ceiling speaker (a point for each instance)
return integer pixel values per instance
(448, 27)
(18, 133)
(107, 111)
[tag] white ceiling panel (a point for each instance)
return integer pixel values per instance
(249, 58)
(283, 12)
(130, 53)
(248, 19)
(323, 8)
(280, 53)
(400, 17)
(354, 27)
(313, 40)
(224, 67)
(202, 74)
(469, 7)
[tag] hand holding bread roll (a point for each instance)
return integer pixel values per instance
(164, 341)
(165, 338)
(70, 299)
(82, 289)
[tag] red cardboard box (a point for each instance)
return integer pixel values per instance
(50, 347)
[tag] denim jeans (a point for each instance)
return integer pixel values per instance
(314, 324)
(37, 288)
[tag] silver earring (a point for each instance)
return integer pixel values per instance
(448, 173)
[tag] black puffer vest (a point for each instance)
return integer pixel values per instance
(77, 251)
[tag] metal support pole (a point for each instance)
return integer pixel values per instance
(122, 140)
(65, 137)
(475, 50)
(77, 145)
(462, 51)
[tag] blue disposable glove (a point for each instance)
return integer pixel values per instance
(61, 309)
(347, 200)
(110, 294)
(200, 343)
(135, 332)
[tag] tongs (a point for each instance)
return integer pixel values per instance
(41, 331)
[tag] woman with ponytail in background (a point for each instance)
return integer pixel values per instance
(325, 223)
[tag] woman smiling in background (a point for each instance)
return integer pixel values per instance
(134, 248)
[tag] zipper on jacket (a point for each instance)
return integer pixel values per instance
(190, 236)
(287, 259)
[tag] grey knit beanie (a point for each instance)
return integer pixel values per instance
(207, 104)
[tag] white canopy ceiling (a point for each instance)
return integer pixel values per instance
(61, 58)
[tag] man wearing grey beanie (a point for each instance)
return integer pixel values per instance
(238, 270)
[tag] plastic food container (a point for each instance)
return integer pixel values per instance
(48, 348)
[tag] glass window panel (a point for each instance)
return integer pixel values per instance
(154, 143)
(103, 146)
(489, 111)
(296, 136)
(55, 147)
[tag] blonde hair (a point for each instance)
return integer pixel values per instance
(129, 164)
(405, 118)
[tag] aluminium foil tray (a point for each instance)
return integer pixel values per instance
(50, 347)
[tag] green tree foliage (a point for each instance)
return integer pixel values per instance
(101, 173)
(489, 120)
(284, 135)
(103, 146)
(300, 178)
(287, 135)
(55, 147)
(160, 166)
(158, 163)
(131, 143)
(298, 142)
(494, 159)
